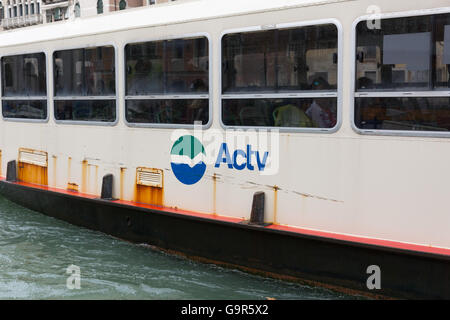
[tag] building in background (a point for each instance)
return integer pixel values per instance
(22, 13)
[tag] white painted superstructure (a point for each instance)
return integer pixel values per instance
(383, 185)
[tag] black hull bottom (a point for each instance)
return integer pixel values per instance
(329, 262)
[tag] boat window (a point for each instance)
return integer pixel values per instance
(85, 84)
(281, 77)
(24, 89)
(167, 82)
(85, 110)
(402, 74)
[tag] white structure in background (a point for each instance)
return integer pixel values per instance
(22, 13)
(57, 10)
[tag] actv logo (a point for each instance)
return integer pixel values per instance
(250, 150)
(241, 159)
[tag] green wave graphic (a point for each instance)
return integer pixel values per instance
(187, 146)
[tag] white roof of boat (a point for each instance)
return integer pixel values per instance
(147, 16)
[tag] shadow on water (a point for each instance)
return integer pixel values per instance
(35, 251)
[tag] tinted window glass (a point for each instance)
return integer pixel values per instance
(85, 72)
(396, 57)
(299, 113)
(86, 110)
(24, 75)
(411, 114)
(172, 111)
(442, 37)
(280, 60)
(24, 109)
(406, 54)
(167, 67)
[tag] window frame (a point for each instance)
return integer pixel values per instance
(307, 94)
(208, 96)
(62, 98)
(353, 94)
(47, 83)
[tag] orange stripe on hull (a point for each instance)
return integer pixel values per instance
(328, 235)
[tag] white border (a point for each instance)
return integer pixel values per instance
(306, 94)
(171, 96)
(59, 98)
(47, 83)
(353, 94)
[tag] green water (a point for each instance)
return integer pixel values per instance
(35, 251)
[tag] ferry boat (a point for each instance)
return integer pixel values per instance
(306, 140)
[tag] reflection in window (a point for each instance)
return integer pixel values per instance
(398, 56)
(99, 6)
(77, 10)
(180, 111)
(24, 88)
(299, 61)
(158, 72)
(85, 72)
(85, 110)
(172, 66)
(409, 54)
(442, 36)
(24, 109)
(24, 75)
(279, 60)
(411, 114)
(298, 113)
(81, 77)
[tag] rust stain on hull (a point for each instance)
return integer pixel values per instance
(69, 165)
(122, 179)
(306, 195)
(32, 173)
(84, 175)
(149, 195)
(54, 169)
(275, 203)
(149, 186)
(96, 179)
(32, 166)
(72, 187)
(214, 194)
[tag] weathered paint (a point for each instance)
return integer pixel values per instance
(55, 159)
(149, 194)
(122, 179)
(69, 167)
(306, 265)
(84, 175)
(30, 172)
(275, 203)
(96, 179)
(71, 186)
(343, 165)
(214, 177)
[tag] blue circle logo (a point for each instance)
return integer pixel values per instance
(187, 159)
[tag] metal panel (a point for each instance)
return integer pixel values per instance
(149, 177)
(30, 156)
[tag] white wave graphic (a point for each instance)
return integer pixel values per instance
(186, 159)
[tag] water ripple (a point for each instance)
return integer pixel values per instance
(35, 251)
